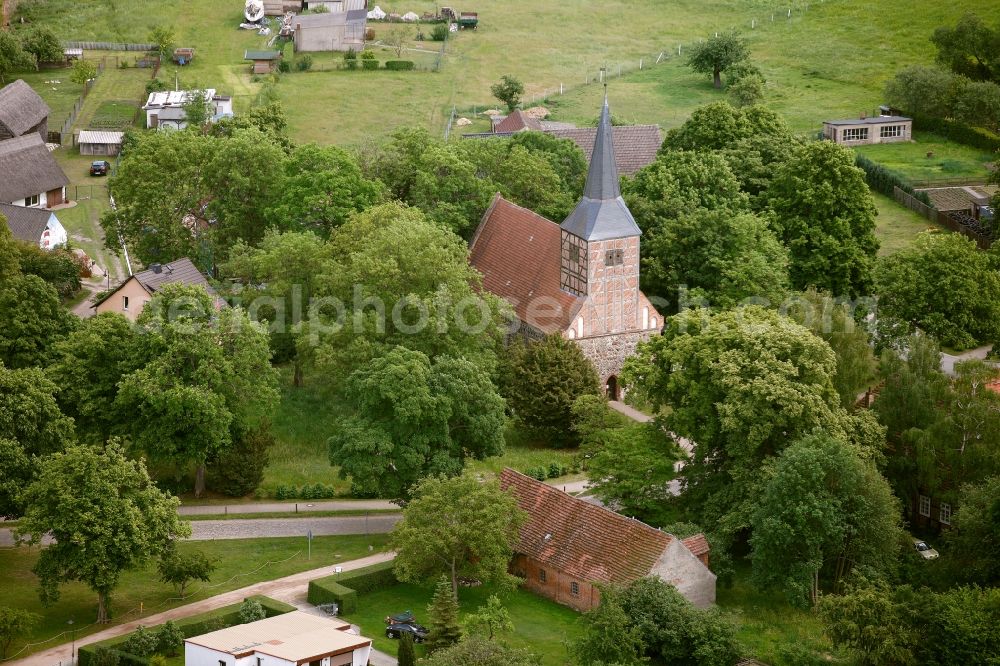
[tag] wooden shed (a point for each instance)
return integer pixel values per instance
(94, 142)
(264, 62)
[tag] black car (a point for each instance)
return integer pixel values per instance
(100, 168)
(418, 632)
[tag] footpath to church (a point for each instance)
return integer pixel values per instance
(290, 589)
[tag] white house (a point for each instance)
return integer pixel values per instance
(292, 639)
(165, 109)
(34, 225)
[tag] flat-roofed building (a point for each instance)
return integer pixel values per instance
(860, 131)
(291, 639)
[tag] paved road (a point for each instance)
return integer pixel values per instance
(301, 506)
(209, 530)
(948, 361)
(290, 589)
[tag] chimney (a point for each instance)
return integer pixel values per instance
(156, 268)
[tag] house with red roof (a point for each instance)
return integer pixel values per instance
(578, 279)
(568, 546)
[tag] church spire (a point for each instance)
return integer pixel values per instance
(601, 213)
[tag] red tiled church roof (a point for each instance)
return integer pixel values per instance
(697, 544)
(635, 145)
(583, 540)
(518, 252)
(517, 121)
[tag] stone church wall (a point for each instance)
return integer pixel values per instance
(608, 352)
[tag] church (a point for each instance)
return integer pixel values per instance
(578, 279)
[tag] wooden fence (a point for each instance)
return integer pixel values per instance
(942, 218)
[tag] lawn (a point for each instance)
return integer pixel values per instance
(766, 621)
(53, 86)
(930, 160)
(240, 563)
(897, 225)
(540, 625)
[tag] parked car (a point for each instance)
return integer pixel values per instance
(925, 550)
(418, 632)
(100, 168)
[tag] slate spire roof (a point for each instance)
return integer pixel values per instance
(602, 214)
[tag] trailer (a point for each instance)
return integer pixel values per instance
(468, 20)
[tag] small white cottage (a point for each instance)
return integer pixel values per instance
(292, 639)
(34, 225)
(165, 109)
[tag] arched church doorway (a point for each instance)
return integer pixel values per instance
(612, 387)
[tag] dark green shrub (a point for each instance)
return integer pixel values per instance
(141, 643)
(399, 65)
(883, 180)
(368, 60)
(169, 639)
(251, 611)
(351, 59)
(284, 67)
(440, 32)
(958, 132)
(239, 469)
(554, 470)
(102, 657)
(304, 63)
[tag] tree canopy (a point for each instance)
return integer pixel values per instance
(716, 54)
(824, 213)
(970, 48)
(541, 380)
(944, 285)
(105, 514)
(822, 511)
(33, 320)
(413, 417)
(742, 384)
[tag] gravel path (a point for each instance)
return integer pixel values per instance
(209, 530)
(290, 589)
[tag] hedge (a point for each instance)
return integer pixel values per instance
(401, 65)
(344, 588)
(958, 132)
(189, 626)
(883, 180)
(367, 63)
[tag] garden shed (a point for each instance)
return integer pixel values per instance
(860, 131)
(264, 62)
(94, 142)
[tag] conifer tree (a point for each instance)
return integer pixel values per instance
(443, 612)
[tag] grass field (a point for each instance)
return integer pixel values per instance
(240, 563)
(896, 225)
(930, 159)
(540, 625)
(767, 623)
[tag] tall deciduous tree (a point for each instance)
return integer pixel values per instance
(33, 320)
(714, 257)
(970, 48)
(457, 527)
(825, 214)
(922, 90)
(944, 285)
(508, 90)
(87, 365)
(608, 636)
(13, 56)
(540, 381)
(322, 187)
(974, 543)
(43, 44)
(871, 622)
(716, 54)
(742, 384)
(822, 511)
(401, 280)
(208, 373)
(414, 417)
(106, 516)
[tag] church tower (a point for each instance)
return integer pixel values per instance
(600, 246)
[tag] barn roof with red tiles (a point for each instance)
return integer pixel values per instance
(583, 540)
(518, 251)
(635, 145)
(517, 121)
(697, 544)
